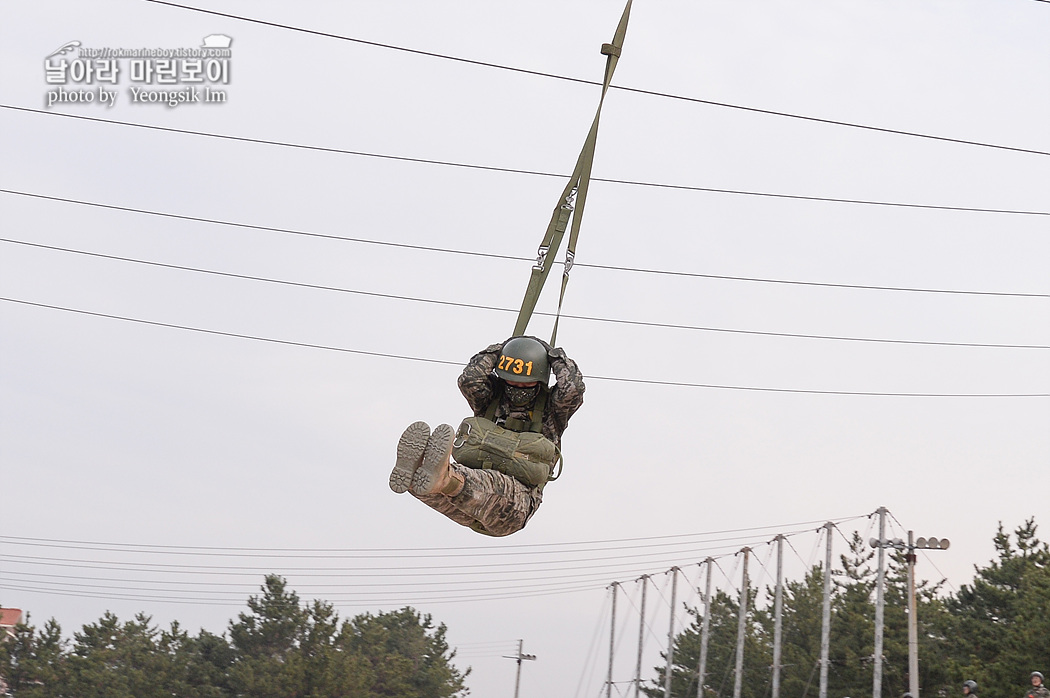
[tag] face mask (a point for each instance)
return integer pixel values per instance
(521, 397)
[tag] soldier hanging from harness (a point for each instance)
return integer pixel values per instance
(489, 474)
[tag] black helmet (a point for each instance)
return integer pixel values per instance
(523, 360)
(970, 686)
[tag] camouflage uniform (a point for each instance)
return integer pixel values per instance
(1039, 691)
(492, 502)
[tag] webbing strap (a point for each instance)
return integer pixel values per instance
(575, 189)
(535, 423)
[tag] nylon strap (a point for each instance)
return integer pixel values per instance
(575, 191)
(535, 414)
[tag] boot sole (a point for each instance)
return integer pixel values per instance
(410, 449)
(434, 458)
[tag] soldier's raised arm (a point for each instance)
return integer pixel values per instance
(477, 382)
(567, 394)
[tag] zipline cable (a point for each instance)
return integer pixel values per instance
(458, 364)
(591, 82)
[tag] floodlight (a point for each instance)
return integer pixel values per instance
(920, 543)
(945, 543)
(934, 543)
(874, 542)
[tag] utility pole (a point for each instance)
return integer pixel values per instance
(705, 632)
(778, 616)
(825, 625)
(519, 657)
(911, 546)
(741, 628)
(913, 632)
(880, 580)
(913, 616)
(644, 579)
(612, 641)
(670, 634)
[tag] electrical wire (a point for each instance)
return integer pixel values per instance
(471, 253)
(607, 541)
(478, 590)
(334, 554)
(507, 586)
(487, 64)
(368, 602)
(593, 645)
(674, 555)
(510, 170)
(452, 568)
(637, 381)
(475, 306)
(535, 577)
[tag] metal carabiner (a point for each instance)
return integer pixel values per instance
(459, 444)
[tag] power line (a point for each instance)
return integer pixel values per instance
(696, 100)
(475, 306)
(562, 565)
(331, 590)
(495, 596)
(625, 566)
(813, 283)
(511, 546)
(335, 554)
(510, 170)
(638, 381)
(367, 241)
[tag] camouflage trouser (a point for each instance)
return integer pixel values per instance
(490, 502)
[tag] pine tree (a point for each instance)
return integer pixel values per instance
(32, 663)
(997, 639)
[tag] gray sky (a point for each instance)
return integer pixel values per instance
(127, 433)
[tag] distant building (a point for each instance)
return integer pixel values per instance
(9, 618)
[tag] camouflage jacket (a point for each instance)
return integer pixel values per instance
(1037, 692)
(480, 387)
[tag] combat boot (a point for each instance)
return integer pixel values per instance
(434, 475)
(410, 448)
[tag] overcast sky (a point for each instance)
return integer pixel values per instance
(134, 436)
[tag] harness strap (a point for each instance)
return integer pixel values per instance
(535, 423)
(575, 190)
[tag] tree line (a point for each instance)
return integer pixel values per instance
(280, 648)
(995, 631)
